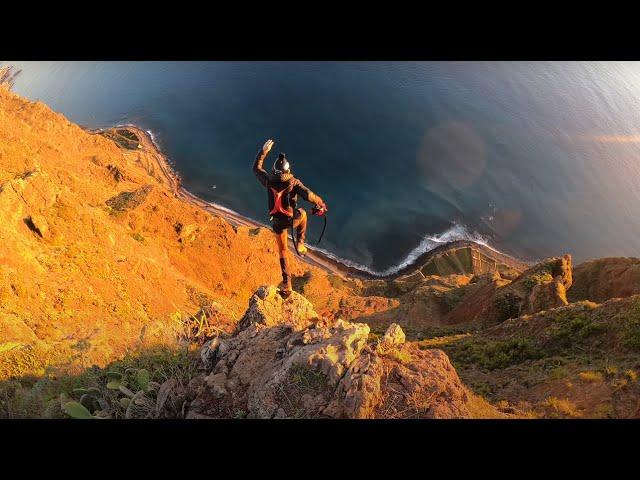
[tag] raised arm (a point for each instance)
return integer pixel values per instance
(258, 170)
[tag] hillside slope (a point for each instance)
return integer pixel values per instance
(98, 255)
(112, 276)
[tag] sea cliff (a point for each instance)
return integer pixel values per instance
(112, 276)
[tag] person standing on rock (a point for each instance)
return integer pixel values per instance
(282, 192)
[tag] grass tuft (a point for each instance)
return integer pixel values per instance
(561, 407)
(591, 376)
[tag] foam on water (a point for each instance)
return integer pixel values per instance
(428, 243)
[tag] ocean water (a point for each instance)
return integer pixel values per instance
(531, 158)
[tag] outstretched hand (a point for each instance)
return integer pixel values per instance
(321, 207)
(267, 146)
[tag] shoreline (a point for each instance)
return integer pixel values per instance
(314, 256)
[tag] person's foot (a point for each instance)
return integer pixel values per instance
(285, 292)
(301, 249)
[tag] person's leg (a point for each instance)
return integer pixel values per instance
(281, 240)
(300, 225)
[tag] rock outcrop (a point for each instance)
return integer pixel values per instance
(268, 308)
(484, 298)
(103, 255)
(279, 365)
(491, 300)
(462, 257)
(605, 278)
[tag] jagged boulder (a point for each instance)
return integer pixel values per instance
(393, 336)
(272, 368)
(313, 363)
(542, 287)
(403, 383)
(267, 307)
(545, 296)
(547, 284)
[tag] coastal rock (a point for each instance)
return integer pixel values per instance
(419, 307)
(267, 307)
(468, 258)
(474, 302)
(327, 369)
(491, 299)
(544, 292)
(546, 296)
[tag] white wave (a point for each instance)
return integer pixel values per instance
(153, 139)
(429, 242)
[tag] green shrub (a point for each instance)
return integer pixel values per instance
(491, 355)
(632, 337)
(537, 279)
(451, 298)
(126, 388)
(573, 326)
(507, 306)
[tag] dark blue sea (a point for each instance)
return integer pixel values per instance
(534, 159)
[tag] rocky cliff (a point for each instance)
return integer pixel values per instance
(122, 296)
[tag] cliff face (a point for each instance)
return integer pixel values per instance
(98, 255)
(102, 256)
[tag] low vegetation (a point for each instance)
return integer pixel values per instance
(300, 382)
(490, 354)
(507, 306)
(149, 384)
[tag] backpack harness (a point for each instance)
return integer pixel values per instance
(277, 203)
(278, 208)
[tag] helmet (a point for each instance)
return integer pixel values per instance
(281, 165)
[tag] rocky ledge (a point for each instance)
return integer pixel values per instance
(286, 362)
